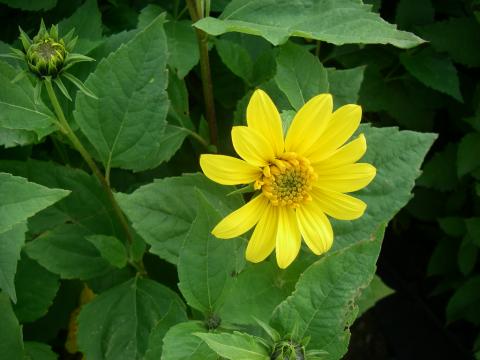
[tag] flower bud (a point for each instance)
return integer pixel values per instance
(46, 57)
(288, 350)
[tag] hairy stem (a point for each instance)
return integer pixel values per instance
(69, 133)
(202, 39)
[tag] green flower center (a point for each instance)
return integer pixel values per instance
(46, 57)
(288, 180)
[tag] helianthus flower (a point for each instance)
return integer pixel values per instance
(300, 179)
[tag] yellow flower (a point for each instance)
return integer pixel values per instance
(300, 179)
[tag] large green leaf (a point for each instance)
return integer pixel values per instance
(126, 124)
(207, 265)
(182, 46)
(11, 242)
(87, 22)
(236, 346)
(456, 36)
(249, 57)
(36, 288)
(334, 21)
(22, 121)
(321, 305)
(66, 251)
(38, 351)
(258, 289)
(300, 75)
(345, 85)
(30, 5)
(60, 232)
(179, 343)
(433, 70)
(11, 344)
(87, 205)
(397, 170)
(117, 324)
(163, 212)
(22, 199)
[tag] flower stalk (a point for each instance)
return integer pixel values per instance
(65, 128)
(202, 39)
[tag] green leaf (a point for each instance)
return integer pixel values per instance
(66, 252)
(397, 169)
(467, 256)
(236, 346)
(30, 5)
(38, 351)
(179, 343)
(163, 212)
(300, 75)
(473, 229)
(321, 305)
(439, 172)
(375, 291)
(117, 323)
(36, 288)
(11, 343)
(130, 83)
(22, 121)
(418, 115)
(453, 226)
(87, 22)
(111, 249)
(178, 113)
(206, 264)
(456, 36)
(87, 205)
(236, 58)
(11, 242)
(433, 70)
(340, 22)
(182, 46)
(261, 287)
(345, 85)
(467, 158)
(464, 304)
(441, 261)
(22, 199)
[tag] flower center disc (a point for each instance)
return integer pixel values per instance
(288, 180)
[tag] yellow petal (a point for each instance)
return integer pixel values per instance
(263, 116)
(241, 220)
(315, 228)
(309, 123)
(288, 238)
(262, 242)
(228, 170)
(343, 123)
(347, 154)
(346, 178)
(337, 205)
(252, 146)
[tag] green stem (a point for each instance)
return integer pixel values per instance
(202, 39)
(67, 130)
(199, 138)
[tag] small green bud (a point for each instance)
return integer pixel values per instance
(46, 57)
(288, 350)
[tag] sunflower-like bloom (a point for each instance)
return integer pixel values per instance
(300, 179)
